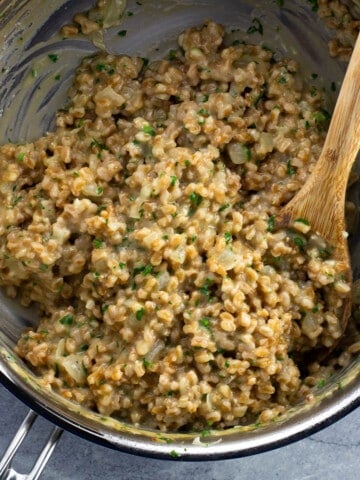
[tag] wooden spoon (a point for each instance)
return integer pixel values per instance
(321, 200)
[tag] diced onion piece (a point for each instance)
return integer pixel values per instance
(228, 259)
(73, 364)
(239, 153)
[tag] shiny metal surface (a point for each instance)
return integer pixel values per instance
(27, 105)
(6, 470)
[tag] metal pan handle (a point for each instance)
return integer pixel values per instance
(8, 473)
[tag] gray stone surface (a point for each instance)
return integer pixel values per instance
(332, 454)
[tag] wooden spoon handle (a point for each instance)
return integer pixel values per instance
(343, 139)
(321, 200)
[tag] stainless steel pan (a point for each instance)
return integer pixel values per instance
(27, 105)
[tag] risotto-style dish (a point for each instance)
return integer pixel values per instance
(144, 228)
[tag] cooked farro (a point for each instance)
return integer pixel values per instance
(144, 228)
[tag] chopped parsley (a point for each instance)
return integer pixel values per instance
(314, 5)
(20, 157)
(53, 57)
(321, 383)
(290, 170)
(228, 237)
(97, 243)
(271, 223)
(173, 180)
(247, 152)
(300, 242)
(146, 363)
(172, 55)
(205, 289)
(122, 265)
(195, 200)
(149, 130)
(122, 33)
(321, 117)
(313, 91)
(174, 454)
(256, 27)
(67, 319)
(139, 314)
(144, 269)
(324, 253)
(303, 220)
(224, 207)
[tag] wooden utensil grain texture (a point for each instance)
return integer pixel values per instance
(321, 200)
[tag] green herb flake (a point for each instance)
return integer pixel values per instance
(321, 383)
(282, 80)
(122, 265)
(195, 200)
(271, 223)
(53, 57)
(100, 190)
(148, 129)
(315, 309)
(97, 243)
(256, 27)
(122, 33)
(205, 289)
(139, 314)
(228, 237)
(203, 112)
(147, 270)
(20, 157)
(173, 180)
(174, 454)
(324, 253)
(224, 207)
(34, 73)
(247, 152)
(321, 117)
(187, 163)
(303, 220)
(146, 363)
(290, 170)
(205, 323)
(313, 91)
(67, 319)
(84, 347)
(172, 55)
(227, 363)
(299, 242)
(314, 5)
(57, 77)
